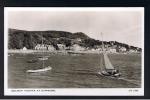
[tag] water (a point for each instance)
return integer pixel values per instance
(71, 71)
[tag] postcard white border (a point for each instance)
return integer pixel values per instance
(70, 91)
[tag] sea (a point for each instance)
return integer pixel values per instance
(72, 71)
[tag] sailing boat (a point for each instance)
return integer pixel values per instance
(43, 69)
(43, 57)
(108, 69)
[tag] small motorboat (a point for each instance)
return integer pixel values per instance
(43, 67)
(43, 58)
(39, 70)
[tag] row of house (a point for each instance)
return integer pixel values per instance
(77, 47)
(44, 47)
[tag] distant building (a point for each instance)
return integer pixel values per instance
(93, 49)
(112, 43)
(78, 39)
(98, 49)
(67, 48)
(139, 50)
(123, 49)
(41, 47)
(51, 48)
(77, 47)
(37, 47)
(132, 51)
(61, 46)
(24, 48)
(112, 50)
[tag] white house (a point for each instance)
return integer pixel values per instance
(93, 49)
(77, 47)
(37, 47)
(61, 46)
(24, 48)
(51, 48)
(40, 47)
(98, 49)
(78, 39)
(132, 51)
(123, 49)
(113, 50)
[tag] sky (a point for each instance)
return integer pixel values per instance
(122, 26)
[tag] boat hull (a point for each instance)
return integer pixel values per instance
(44, 58)
(104, 73)
(39, 70)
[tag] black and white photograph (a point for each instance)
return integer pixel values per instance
(97, 51)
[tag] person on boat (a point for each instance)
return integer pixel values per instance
(115, 72)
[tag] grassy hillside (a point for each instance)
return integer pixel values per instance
(22, 38)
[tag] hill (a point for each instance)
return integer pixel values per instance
(29, 39)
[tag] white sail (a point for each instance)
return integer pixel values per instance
(107, 68)
(108, 64)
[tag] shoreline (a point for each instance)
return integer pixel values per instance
(56, 51)
(64, 52)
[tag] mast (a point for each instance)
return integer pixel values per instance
(102, 42)
(108, 64)
(42, 52)
(102, 54)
